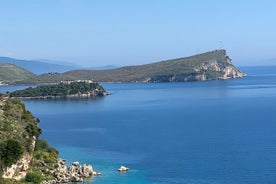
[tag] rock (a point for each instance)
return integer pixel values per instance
(75, 163)
(123, 169)
(87, 170)
(49, 182)
(18, 170)
(96, 173)
(74, 173)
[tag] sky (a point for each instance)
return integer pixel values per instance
(128, 32)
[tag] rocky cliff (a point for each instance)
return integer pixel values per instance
(24, 157)
(213, 65)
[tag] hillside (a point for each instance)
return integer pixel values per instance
(10, 73)
(27, 159)
(208, 66)
(39, 66)
(18, 142)
(212, 65)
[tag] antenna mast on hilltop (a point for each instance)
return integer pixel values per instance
(220, 45)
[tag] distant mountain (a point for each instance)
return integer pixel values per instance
(207, 66)
(106, 67)
(63, 63)
(37, 67)
(10, 73)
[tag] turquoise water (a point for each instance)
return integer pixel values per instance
(217, 132)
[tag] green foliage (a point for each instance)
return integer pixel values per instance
(176, 67)
(183, 69)
(44, 152)
(41, 145)
(9, 181)
(45, 159)
(17, 123)
(11, 151)
(27, 116)
(17, 128)
(58, 90)
(34, 177)
(33, 130)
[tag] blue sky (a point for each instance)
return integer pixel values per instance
(125, 32)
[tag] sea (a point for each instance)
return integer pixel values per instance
(211, 132)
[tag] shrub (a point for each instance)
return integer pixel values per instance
(33, 130)
(12, 150)
(44, 152)
(34, 177)
(41, 145)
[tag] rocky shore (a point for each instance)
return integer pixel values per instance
(74, 173)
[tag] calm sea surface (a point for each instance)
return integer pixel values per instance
(217, 132)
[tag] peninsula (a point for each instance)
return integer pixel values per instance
(64, 89)
(213, 65)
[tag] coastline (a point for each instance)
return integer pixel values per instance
(77, 96)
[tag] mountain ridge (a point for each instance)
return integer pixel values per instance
(11, 73)
(213, 65)
(37, 66)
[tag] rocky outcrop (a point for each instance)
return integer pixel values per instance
(225, 69)
(18, 170)
(123, 169)
(74, 173)
(215, 67)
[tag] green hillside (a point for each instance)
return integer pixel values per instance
(20, 146)
(12, 74)
(208, 66)
(212, 65)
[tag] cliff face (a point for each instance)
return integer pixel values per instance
(19, 169)
(214, 65)
(18, 132)
(225, 69)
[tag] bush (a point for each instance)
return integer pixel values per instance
(34, 177)
(41, 145)
(33, 130)
(11, 151)
(27, 116)
(9, 181)
(44, 152)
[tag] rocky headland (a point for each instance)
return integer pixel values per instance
(213, 65)
(24, 157)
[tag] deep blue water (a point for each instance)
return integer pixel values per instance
(217, 132)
